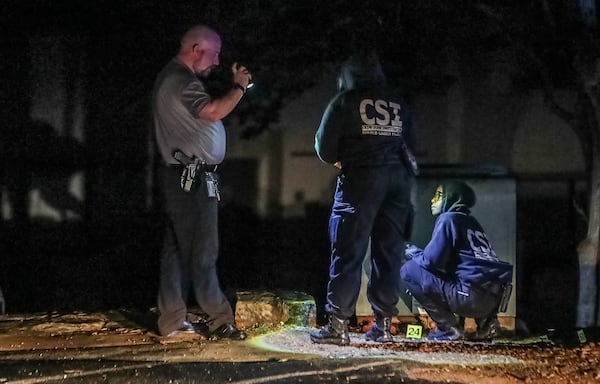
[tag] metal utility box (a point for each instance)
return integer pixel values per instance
(495, 209)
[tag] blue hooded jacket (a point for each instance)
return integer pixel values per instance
(459, 248)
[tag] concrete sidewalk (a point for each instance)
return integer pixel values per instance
(112, 334)
(117, 335)
(61, 333)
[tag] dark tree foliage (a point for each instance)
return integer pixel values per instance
(288, 45)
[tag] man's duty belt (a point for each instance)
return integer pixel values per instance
(186, 161)
(208, 167)
(193, 168)
(201, 167)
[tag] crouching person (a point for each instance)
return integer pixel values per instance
(458, 273)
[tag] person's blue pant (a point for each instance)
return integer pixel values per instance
(369, 202)
(189, 255)
(445, 299)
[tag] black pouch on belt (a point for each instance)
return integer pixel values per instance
(504, 299)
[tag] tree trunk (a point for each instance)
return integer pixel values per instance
(588, 306)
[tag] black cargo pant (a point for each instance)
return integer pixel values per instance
(189, 254)
(370, 202)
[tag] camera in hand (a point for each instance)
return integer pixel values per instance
(219, 81)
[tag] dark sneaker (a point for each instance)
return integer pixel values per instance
(380, 333)
(328, 335)
(487, 329)
(229, 332)
(451, 334)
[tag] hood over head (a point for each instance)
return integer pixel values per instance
(458, 196)
(361, 70)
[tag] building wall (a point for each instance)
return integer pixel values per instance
(544, 144)
(533, 141)
(53, 133)
(288, 162)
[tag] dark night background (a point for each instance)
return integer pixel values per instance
(110, 258)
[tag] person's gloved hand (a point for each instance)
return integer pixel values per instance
(410, 251)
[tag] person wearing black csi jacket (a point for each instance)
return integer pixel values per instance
(458, 273)
(366, 131)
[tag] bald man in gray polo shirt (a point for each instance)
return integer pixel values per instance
(188, 120)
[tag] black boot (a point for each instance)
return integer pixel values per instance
(487, 328)
(380, 331)
(335, 332)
